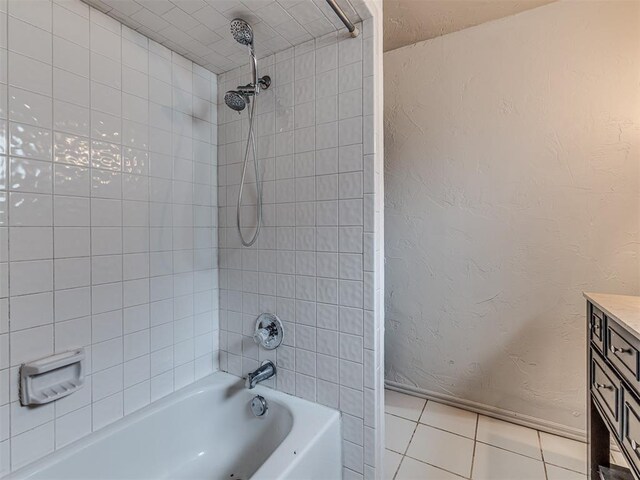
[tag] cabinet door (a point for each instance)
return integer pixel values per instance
(631, 429)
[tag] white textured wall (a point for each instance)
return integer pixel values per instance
(512, 169)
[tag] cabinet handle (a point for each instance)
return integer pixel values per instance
(602, 385)
(615, 349)
(634, 445)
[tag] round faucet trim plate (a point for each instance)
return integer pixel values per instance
(269, 331)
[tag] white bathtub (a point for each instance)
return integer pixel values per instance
(206, 431)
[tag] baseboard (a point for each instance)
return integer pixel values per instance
(489, 411)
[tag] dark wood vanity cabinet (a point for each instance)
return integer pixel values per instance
(613, 399)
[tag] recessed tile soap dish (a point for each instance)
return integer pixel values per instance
(48, 379)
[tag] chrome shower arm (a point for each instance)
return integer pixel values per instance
(248, 89)
(254, 88)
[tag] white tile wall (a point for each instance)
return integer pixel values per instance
(111, 180)
(314, 262)
(107, 218)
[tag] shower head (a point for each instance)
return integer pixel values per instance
(242, 32)
(239, 98)
(236, 100)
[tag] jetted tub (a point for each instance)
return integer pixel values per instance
(206, 431)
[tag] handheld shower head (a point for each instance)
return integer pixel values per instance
(242, 32)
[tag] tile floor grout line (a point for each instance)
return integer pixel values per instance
(395, 473)
(411, 439)
(544, 464)
(400, 416)
(422, 411)
(430, 426)
(475, 443)
(416, 427)
(435, 466)
(564, 468)
(510, 451)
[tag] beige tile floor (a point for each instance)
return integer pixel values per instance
(427, 440)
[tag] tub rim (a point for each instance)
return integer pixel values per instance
(304, 433)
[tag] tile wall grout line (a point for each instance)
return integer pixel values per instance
(53, 223)
(8, 202)
(121, 171)
(90, 169)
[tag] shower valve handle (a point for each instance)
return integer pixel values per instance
(261, 336)
(269, 331)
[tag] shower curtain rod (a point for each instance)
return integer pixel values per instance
(347, 23)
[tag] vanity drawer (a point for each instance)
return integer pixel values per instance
(621, 353)
(606, 388)
(596, 327)
(631, 428)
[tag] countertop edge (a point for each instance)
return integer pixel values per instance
(593, 297)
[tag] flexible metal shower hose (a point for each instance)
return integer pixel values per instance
(251, 141)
